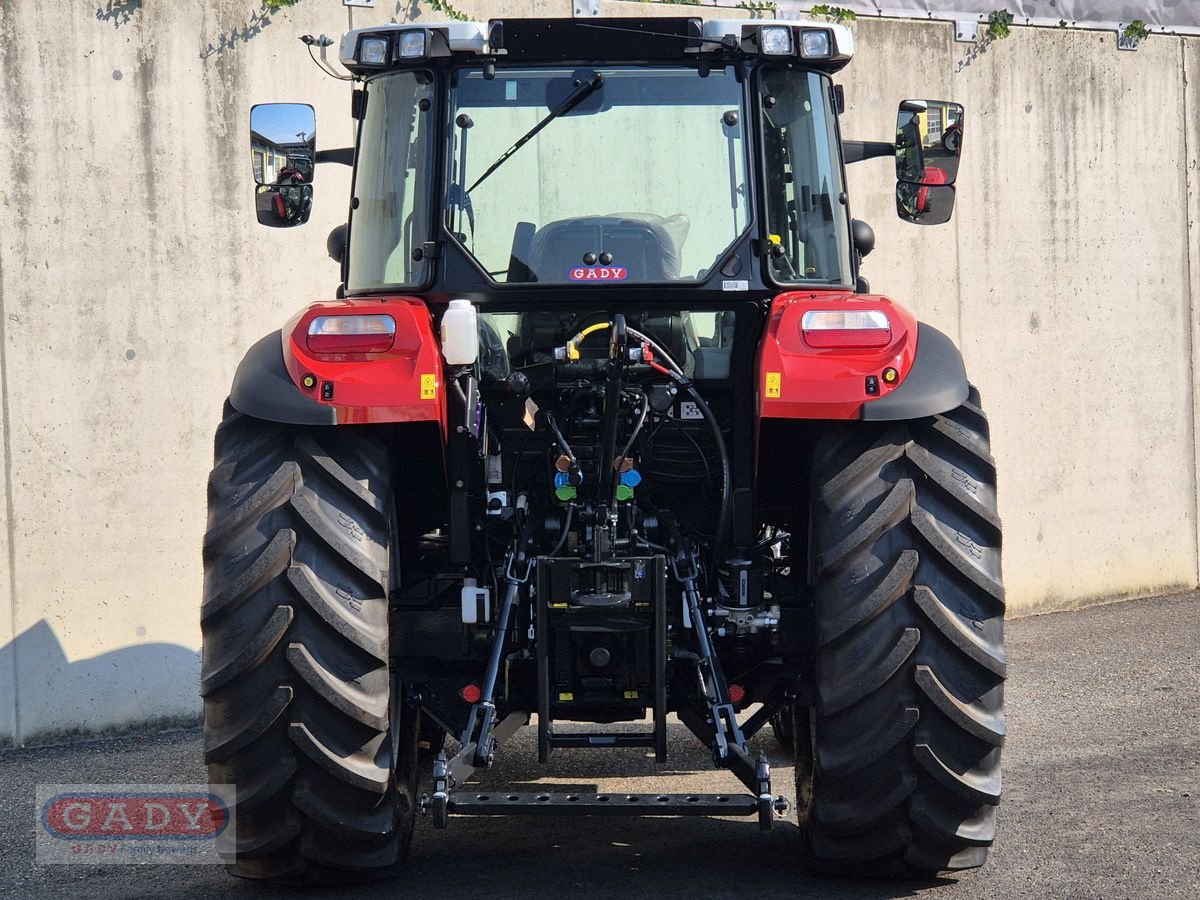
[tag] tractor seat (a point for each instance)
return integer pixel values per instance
(646, 246)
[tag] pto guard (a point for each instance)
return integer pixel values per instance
(281, 380)
(799, 381)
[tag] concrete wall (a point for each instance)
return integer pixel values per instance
(1064, 277)
(133, 276)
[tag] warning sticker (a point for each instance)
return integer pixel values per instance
(773, 383)
(428, 387)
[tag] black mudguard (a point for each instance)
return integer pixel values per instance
(936, 383)
(262, 388)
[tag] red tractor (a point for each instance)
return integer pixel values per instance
(603, 426)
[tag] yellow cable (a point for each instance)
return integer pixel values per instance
(573, 343)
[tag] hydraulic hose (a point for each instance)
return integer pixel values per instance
(637, 427)
(566, 531)
(726, 471)
(676, 373)
(562, 441)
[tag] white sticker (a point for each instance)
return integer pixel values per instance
(510, 90)
(735, 285)
(689, 410)
(492, 466)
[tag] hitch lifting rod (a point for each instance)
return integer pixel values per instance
(493, 669)
(483, 713)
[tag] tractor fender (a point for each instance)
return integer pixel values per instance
(936, 383)
(262, 388)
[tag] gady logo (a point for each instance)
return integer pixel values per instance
(598, 273)
(118, 815)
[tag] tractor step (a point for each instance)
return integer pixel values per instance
(579, 740)
(473, 803)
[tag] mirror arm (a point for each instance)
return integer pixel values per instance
(852, 151)
(342, 156)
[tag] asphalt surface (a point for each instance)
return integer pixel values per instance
(1101, 796)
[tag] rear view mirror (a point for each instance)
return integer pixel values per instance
(928, 141)
(283, 151)
(924, 204)
(928, 145)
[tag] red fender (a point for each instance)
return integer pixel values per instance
(799, 381)
(401, 384)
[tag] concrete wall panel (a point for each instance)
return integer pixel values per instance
(1068, 263)
(1190, 54)
(133, 277)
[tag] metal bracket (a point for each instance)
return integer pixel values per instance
(769, 806)
(439, 804)
(503, 803)
(966, 31)
(447, 774)
(585, 9)
(1124, 41)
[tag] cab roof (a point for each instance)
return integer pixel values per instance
(614, 40)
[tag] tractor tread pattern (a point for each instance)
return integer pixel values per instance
(852, 816)
(884, 594)
(884, 736)
(908, 723)
(295, 672)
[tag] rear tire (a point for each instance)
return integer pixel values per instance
(301, 714)
(898, 762)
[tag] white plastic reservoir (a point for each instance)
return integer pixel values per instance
(460, 333)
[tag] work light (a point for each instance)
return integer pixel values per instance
(373, 50)
(815, 43)
(412, 44)
(775, 40)
(846, 328)
(351, 334)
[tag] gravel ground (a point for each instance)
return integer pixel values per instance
(1102, 796)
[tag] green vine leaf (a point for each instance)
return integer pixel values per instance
(447, 10)
(834, 13)
(1136, 31)
(999, 24)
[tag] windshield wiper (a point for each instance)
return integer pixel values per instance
(577, 96)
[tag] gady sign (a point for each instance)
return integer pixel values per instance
(133, 824)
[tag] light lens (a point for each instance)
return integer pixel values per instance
(373, 51)
(846, 328)
(470, 693)
(775, 40)
(412, 45)
(351, 334)
(815, 44)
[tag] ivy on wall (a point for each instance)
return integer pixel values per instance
(999, 24)
(834, 13)
(1136, 30)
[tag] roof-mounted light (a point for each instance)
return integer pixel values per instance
(374, 50)
(846, 328)
(816, 43)
(775, 40)
(413, 44)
